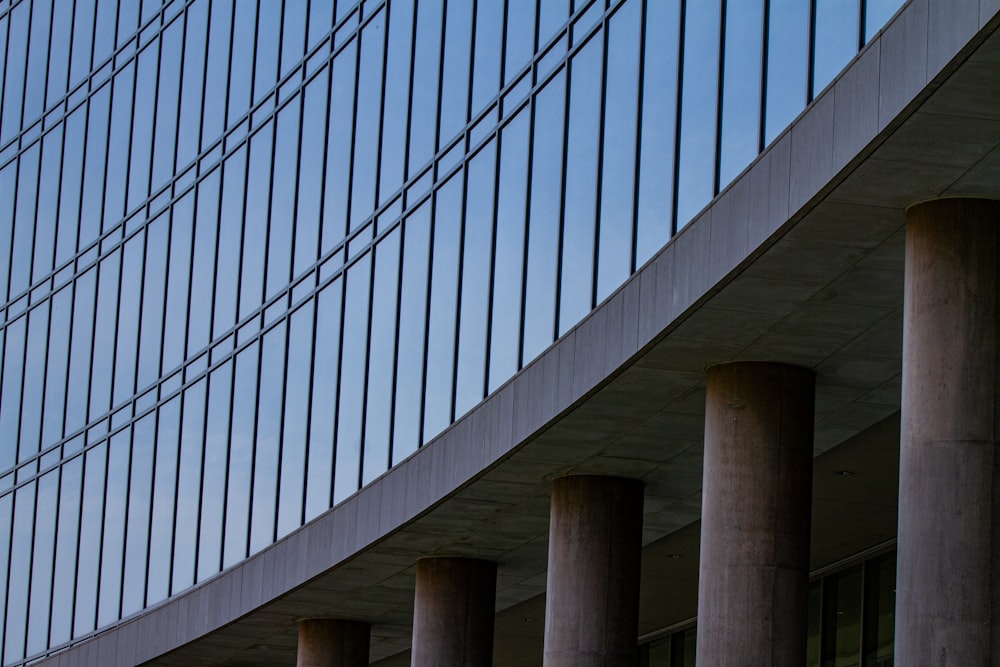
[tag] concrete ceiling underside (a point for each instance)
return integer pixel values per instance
(824, 289)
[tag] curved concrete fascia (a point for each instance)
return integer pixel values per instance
(838, 161)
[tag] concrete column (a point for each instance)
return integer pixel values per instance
(947, 599)
(327, 642)
(453, 612)
(592, 589)
(755, 515)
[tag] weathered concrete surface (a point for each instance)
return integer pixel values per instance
(756, 495)
(453, 612)
(592, 590)
(327, 642)
(948, 576)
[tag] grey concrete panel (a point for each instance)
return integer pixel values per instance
(760, 223)
(848, 224)
(780, 179)
(647, 278)
(589, 352)
(855, 118)
(954, 24)
(870, 183)
(903, 61)
(812, 163)
(729, 228)
(692, 266)
(665, 309)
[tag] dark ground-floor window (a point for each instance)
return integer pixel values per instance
(851, 620)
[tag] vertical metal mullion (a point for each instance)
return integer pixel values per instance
(372, 252)
(720, 96)
(187, 309)
(27, 59)
(811, 67)
(637, 164)
(316, 300)
(495, 213)
(862, 23)
(212, 333)
(681, 39)
(349, 196)
(599, 173)
(764, 48)
(567, 91)
(529, 170)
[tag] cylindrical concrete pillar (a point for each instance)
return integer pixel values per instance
(755, 515)
(592, 589)
(327, 642)
(947, 595)
(453, 612)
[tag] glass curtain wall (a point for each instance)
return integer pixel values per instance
(253, 254)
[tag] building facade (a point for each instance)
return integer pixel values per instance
(293, 290)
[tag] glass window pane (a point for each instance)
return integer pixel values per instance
(618, 169)
(192, 82)
(167, 94)
(338, 166)
(410, 343)
(137, 528)
(347, 470)
(122, 92)
(20, 573)
(80, 350)
(326, 360)
(455, 80)
(217, 71)
(381, 354)
(424, 105)
(266, 50)
(29, 438)
(206, 224)
(109, 276)
(153, 292)
(57, 366)
(741, 97)
(113, 529)
(659, 127)
(397, 96)
(470, 377)
(283, 219)
(489, 44)
(188, 486)
(576, 297)
(241, 446)
(842, 619)
(508, 259)
(241, 59)
(787, 63)
(87, 569)
(70, 495)
(443, 308)
(255, 220)
(43, 548)
(161, 531)
(144, 110)
(62, 24)
(293, 34)
(38, 59)
(543, 228)
(24, 220)
(10, 398)
(296, 427)
(128, 323)
(83, 34)
(880, 611)
(214, 465)
(48, 199)
(70, 184)
(179, 274)
(90, 212)
(17, 49)
(699, 110)
(836, 39)
(267, 449)
(312, 159)
(520, 36)
(369, 109)
(230, 230)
